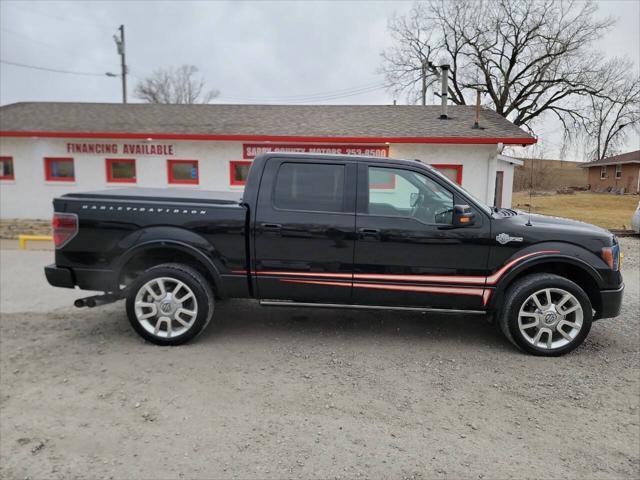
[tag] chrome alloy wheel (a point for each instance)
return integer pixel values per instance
(550, 318)
(166, 307)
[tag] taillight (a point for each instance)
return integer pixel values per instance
(65, 227)
(611, 256)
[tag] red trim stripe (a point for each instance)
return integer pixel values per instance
(486, 295)
(317, 282)
(269, 138)
(421, 278)
(469, 280)
(493, 279)
(333, 280)
(305, 274)
(424, 289)
(403, 288)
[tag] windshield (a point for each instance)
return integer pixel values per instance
(478, 202)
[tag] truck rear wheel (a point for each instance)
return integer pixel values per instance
(169, 304)
(546, 315)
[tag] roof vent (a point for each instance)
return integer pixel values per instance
(444, 95)
(476, 124)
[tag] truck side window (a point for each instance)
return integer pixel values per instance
(310, 186)
(396, 192)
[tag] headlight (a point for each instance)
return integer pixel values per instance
(612, 257)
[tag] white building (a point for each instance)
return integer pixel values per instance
(48, 149)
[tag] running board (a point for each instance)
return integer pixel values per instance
(277, 303)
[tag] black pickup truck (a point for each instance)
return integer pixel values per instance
(340, 232)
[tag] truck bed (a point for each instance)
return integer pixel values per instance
(116, 223)
(173, 195)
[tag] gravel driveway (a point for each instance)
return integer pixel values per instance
(294, 393)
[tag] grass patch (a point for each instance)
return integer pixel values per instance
(604, 210)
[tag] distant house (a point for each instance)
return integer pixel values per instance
(547, 174)
(619, 171)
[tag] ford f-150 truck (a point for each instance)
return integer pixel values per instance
(341, 232)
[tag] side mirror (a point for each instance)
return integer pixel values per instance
(463, 216)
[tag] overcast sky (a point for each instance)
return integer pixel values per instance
(253, 52)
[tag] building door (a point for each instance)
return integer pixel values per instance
(497, 197)
(407, 251)
(304, 231)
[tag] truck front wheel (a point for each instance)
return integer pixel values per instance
(546, 314)
(169, 304)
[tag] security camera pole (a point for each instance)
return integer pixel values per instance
(123, 64)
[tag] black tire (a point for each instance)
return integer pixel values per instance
(518, 293)
(203, 300)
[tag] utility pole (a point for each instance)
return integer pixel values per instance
(123, 64)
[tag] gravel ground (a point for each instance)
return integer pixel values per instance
(293, 393)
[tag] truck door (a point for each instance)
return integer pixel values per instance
(407, 251)
(304, 230)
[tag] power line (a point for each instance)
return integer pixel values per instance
(321, 94)
(339, 92)
(344, 93)
(292, 99)
(300, 98)
(55, 70)
(64, 19)
(297, 98)
(31, 39)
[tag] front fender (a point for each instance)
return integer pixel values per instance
(553, 257)
(551, 260)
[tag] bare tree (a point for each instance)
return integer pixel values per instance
(408, 66)
(530, 57)
(174, 85)
(609, 118)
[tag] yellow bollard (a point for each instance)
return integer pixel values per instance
(22, 239)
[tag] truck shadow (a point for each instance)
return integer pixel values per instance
(237, 318)
(238, 322)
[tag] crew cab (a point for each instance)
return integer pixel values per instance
(336, 231)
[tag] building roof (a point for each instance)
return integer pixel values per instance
(512, 160)
(629, 157)
(352, 123)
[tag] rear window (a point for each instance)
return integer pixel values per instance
(310, 186)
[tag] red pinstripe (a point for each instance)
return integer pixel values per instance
(403, 288)
(459, 279)
(485, 293)
(306, 274)
(485, 296)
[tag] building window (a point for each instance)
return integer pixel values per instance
(239, 171)
(6, 168)
(59, 170)
(121, 170)
(381, 179)
(603, 173)
(183, 171)
(452, 172)
(619, 170)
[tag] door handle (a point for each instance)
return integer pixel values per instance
(271, 227)
(369, 233)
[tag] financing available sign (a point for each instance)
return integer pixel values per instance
(101, 148)
(252, 150)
